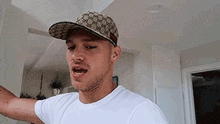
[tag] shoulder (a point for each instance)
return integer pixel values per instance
(65, 96)
(131, 97)
(142, 110)
(47, 109)
(147, 112)
(58, 100)
(129, 100)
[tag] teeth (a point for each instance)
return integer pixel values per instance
(79, 70)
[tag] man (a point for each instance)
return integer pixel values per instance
(92, 51)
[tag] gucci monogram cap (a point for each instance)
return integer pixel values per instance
(99, 24)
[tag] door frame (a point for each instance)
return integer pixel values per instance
(188, 89)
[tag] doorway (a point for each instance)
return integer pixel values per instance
(187, 84)
(206, 92)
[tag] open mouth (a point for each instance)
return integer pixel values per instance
(79, 70)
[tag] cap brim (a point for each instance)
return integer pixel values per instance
(60, 30)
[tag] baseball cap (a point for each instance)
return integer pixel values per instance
(98, 24)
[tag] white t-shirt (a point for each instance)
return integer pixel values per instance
(119, 107)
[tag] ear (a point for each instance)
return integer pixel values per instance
(116, 53)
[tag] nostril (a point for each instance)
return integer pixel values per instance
(78, 58)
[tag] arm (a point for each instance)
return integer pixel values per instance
(17, 108)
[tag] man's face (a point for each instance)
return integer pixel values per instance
(90, 60)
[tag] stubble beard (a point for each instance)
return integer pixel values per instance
(92, 84)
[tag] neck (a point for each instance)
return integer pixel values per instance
(97, 93)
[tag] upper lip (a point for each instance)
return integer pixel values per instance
(79, 66)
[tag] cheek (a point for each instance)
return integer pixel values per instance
(102, 61)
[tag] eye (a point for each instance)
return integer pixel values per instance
(91, 47)
(71, 47)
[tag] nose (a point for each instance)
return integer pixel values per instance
(78, 55)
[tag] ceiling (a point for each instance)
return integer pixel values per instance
(175, 24)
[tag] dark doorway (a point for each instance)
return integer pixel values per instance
(206, 90)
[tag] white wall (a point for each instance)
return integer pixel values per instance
(12, 49)
(143, 73)
(200, 55)
(166, 67)
(124, 69)
(167, 83)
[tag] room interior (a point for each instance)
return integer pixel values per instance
(159, 39)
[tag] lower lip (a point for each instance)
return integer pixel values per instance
(77, 75)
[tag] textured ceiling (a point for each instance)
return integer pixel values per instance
(179, 24)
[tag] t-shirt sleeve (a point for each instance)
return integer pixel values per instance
(42, 110)
(50, 110)
(147, 113)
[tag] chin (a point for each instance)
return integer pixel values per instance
(84, 87)
(76, 84)
(79, 85)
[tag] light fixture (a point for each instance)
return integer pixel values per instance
(155, 8)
